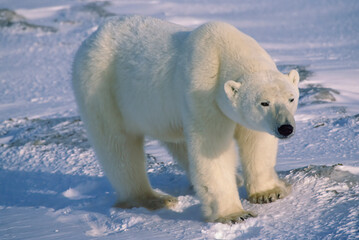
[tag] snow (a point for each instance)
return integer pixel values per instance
(51, 186)
(39, 13)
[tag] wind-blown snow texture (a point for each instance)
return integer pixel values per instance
(51, 186)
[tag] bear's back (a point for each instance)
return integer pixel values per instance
(144, 37)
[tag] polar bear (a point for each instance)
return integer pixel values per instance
(200, 93)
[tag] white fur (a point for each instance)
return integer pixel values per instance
(198, 92)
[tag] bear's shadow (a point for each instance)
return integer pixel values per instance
(56, 190)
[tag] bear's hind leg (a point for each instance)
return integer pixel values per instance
(123, 160)
(258, 153)
(180, 153)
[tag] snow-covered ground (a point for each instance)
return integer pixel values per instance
(51, 186)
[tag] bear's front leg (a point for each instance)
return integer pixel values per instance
(213, 173)
(258, 153)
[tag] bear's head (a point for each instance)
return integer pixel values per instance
(263, 101)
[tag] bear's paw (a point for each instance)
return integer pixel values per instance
(271, 195)
(153, 202)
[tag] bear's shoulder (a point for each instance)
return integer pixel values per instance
(216, 28)
(221, 33)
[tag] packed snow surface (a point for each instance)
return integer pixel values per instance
(51, 186)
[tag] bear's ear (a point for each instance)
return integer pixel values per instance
(294, 77)
(231, 88)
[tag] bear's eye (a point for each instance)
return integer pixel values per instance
(265, 104)
(291, 100)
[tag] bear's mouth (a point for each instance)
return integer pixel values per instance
(284, 137)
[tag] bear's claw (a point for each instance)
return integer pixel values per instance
(270, 195)
(236, 217)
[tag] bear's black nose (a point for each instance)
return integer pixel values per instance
(285, 130)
